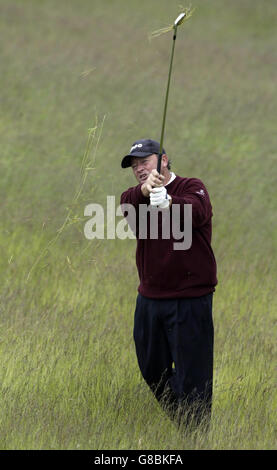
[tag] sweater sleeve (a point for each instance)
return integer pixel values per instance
(134, 196)
(195, 193)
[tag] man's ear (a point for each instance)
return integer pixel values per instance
(164, 160)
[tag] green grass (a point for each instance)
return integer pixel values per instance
(69, 376)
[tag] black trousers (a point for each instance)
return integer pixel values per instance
(174, 345)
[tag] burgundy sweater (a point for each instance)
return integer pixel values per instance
(168, 273)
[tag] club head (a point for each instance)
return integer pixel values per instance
(180, 19)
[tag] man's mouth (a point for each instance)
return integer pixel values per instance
(143, 177)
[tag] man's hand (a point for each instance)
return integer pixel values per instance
(154, 180)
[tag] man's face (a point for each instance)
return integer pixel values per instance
(142, 167)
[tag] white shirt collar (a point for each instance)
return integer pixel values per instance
(173, 176)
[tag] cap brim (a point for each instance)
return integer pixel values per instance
(126, 161)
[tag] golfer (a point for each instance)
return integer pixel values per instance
(173, 325)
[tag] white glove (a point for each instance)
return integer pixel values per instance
(159, 197)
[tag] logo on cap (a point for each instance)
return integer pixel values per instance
(135, 146)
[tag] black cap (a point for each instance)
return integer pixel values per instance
(141, 148)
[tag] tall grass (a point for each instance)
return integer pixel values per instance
(69, 376)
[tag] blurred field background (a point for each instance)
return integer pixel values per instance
(69, 377)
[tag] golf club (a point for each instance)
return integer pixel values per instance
(179, 20)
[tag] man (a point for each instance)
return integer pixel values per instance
(173, 327)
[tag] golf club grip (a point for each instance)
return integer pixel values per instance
(159, 162)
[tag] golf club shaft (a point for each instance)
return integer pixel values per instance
(166, 100)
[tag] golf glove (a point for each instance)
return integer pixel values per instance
(159, 197)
